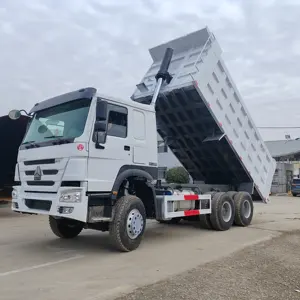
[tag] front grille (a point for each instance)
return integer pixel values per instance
(29, 173)
(39, 162)
(38, 192)
(40, 183)
(71, 183)
(50, 172)
(45, 172)
(38, 204)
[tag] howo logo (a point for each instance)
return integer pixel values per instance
(38, 173)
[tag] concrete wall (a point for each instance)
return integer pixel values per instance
(282, 178)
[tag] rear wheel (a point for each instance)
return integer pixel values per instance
(204, 221)
(222, 212)
(243, 209)
(128, 224)
(231, 194)
(65, 228)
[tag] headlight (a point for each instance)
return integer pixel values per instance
(70, 196)
(14, 194)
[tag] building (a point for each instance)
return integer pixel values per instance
(285, 152)
(287, 155)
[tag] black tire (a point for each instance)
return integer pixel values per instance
(220, 201)
(231, 194)
(65, 228)
(119, 235)
(243, 202)
(204, 221)
(295, 195)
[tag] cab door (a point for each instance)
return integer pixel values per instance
(106, 160)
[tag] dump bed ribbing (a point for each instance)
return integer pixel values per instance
(203, 119)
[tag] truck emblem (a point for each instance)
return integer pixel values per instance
(38, 173)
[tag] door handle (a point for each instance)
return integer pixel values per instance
(126, 148)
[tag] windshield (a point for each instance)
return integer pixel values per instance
(65, 121)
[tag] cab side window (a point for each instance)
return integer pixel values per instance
(117, 121)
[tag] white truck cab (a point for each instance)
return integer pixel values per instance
(76, 146)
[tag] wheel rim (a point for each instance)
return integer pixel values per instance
(226, 211)
(247, 209)
(135, 224)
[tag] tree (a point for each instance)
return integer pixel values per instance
(177, 175)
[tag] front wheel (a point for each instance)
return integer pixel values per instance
(65, 228)
(128, 225)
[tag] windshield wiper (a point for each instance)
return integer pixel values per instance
(53, 136)
(58, 139)
(31, 144)
(28, 142)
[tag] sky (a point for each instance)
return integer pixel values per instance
(50, 47)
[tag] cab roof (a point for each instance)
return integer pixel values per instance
(85, 93)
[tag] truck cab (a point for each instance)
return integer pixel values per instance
(79, 148)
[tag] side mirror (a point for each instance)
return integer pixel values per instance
(14, 114)
(100, 127)
(101, 110)
(100, 134)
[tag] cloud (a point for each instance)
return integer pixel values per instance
(50, 47)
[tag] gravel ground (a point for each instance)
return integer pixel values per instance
(269, 270)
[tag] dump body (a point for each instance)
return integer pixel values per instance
(202, 117)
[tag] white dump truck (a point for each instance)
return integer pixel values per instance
(90, 162)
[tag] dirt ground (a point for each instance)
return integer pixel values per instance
(173, 262)
(269, 270)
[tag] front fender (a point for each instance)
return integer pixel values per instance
(126, 173)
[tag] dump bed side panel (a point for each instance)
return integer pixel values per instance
(202, 116)
(226, 104)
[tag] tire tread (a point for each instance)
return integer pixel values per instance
(61, 231)
(238, 199)
(216, 207)
(115, 228)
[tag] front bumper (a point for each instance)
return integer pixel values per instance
(49, 203)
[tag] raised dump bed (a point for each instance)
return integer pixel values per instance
(202, 117)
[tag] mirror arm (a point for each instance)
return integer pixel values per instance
(99, 146)
(24, 111)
